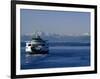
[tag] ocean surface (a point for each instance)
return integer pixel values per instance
(64, 52)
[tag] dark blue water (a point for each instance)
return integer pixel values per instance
(61, 54)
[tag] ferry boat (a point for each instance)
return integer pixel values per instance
(37, 45)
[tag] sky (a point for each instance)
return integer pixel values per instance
(59, 22)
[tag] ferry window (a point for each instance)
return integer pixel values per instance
(43, 44)
(29, 45)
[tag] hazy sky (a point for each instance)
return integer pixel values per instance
(61, 22)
